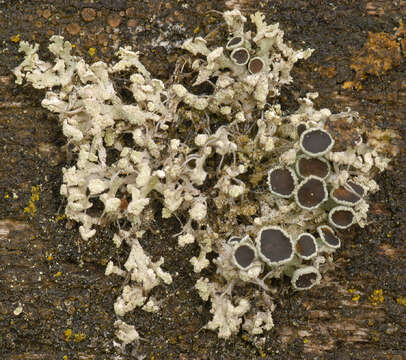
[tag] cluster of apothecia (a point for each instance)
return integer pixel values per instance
(241, 56)
(198, 154)
(306, 183)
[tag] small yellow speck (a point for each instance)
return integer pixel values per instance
(355, 298)
(58, 274)
(73, 45)
(79, 337)
(60, 217)
(92, 51)
(196, 29)
(305, 341)
(401, 300)
(49, 257)
(6, 196)
(376, 297)
(65, 357)
(31, 208)
(15, 38)
(68, 334)
(351, 291)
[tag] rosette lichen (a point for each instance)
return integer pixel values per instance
(226, 160)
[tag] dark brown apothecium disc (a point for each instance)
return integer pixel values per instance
(301, 128)
(240, 56)
(244, 255)
(305, 278)
(316, 142)
(341, 217)
(328, 236)
(306, 246)
(311, 192)
(274, 246)
(306, 281)
(306, 166)
(234, 240)
(282, 181)
(345, 195)
(356, 187)
(234, 42)
(255, 65)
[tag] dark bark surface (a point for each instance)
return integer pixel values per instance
(56, 303)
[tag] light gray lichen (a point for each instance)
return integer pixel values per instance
(183, 139)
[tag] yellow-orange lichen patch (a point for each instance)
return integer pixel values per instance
(355, 294)
(15, 38)
(31, 208)
(68, 334)
(60, 217)
(376, 297)
(328, 72)
(79, 337)
(380, 53)
(92, 51)
(401, 300)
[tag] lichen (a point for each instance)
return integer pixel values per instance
(380, 53)
(208, 151)
(31, 208)
(376, 297)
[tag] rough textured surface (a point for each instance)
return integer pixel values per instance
(359, 309)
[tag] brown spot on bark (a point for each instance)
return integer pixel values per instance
(114, 20)
(132, 23)
(88, 14)
(73, 29)
(328, 72)
(46, 13)
(130, 12)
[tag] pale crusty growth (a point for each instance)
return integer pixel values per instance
(181, 141)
